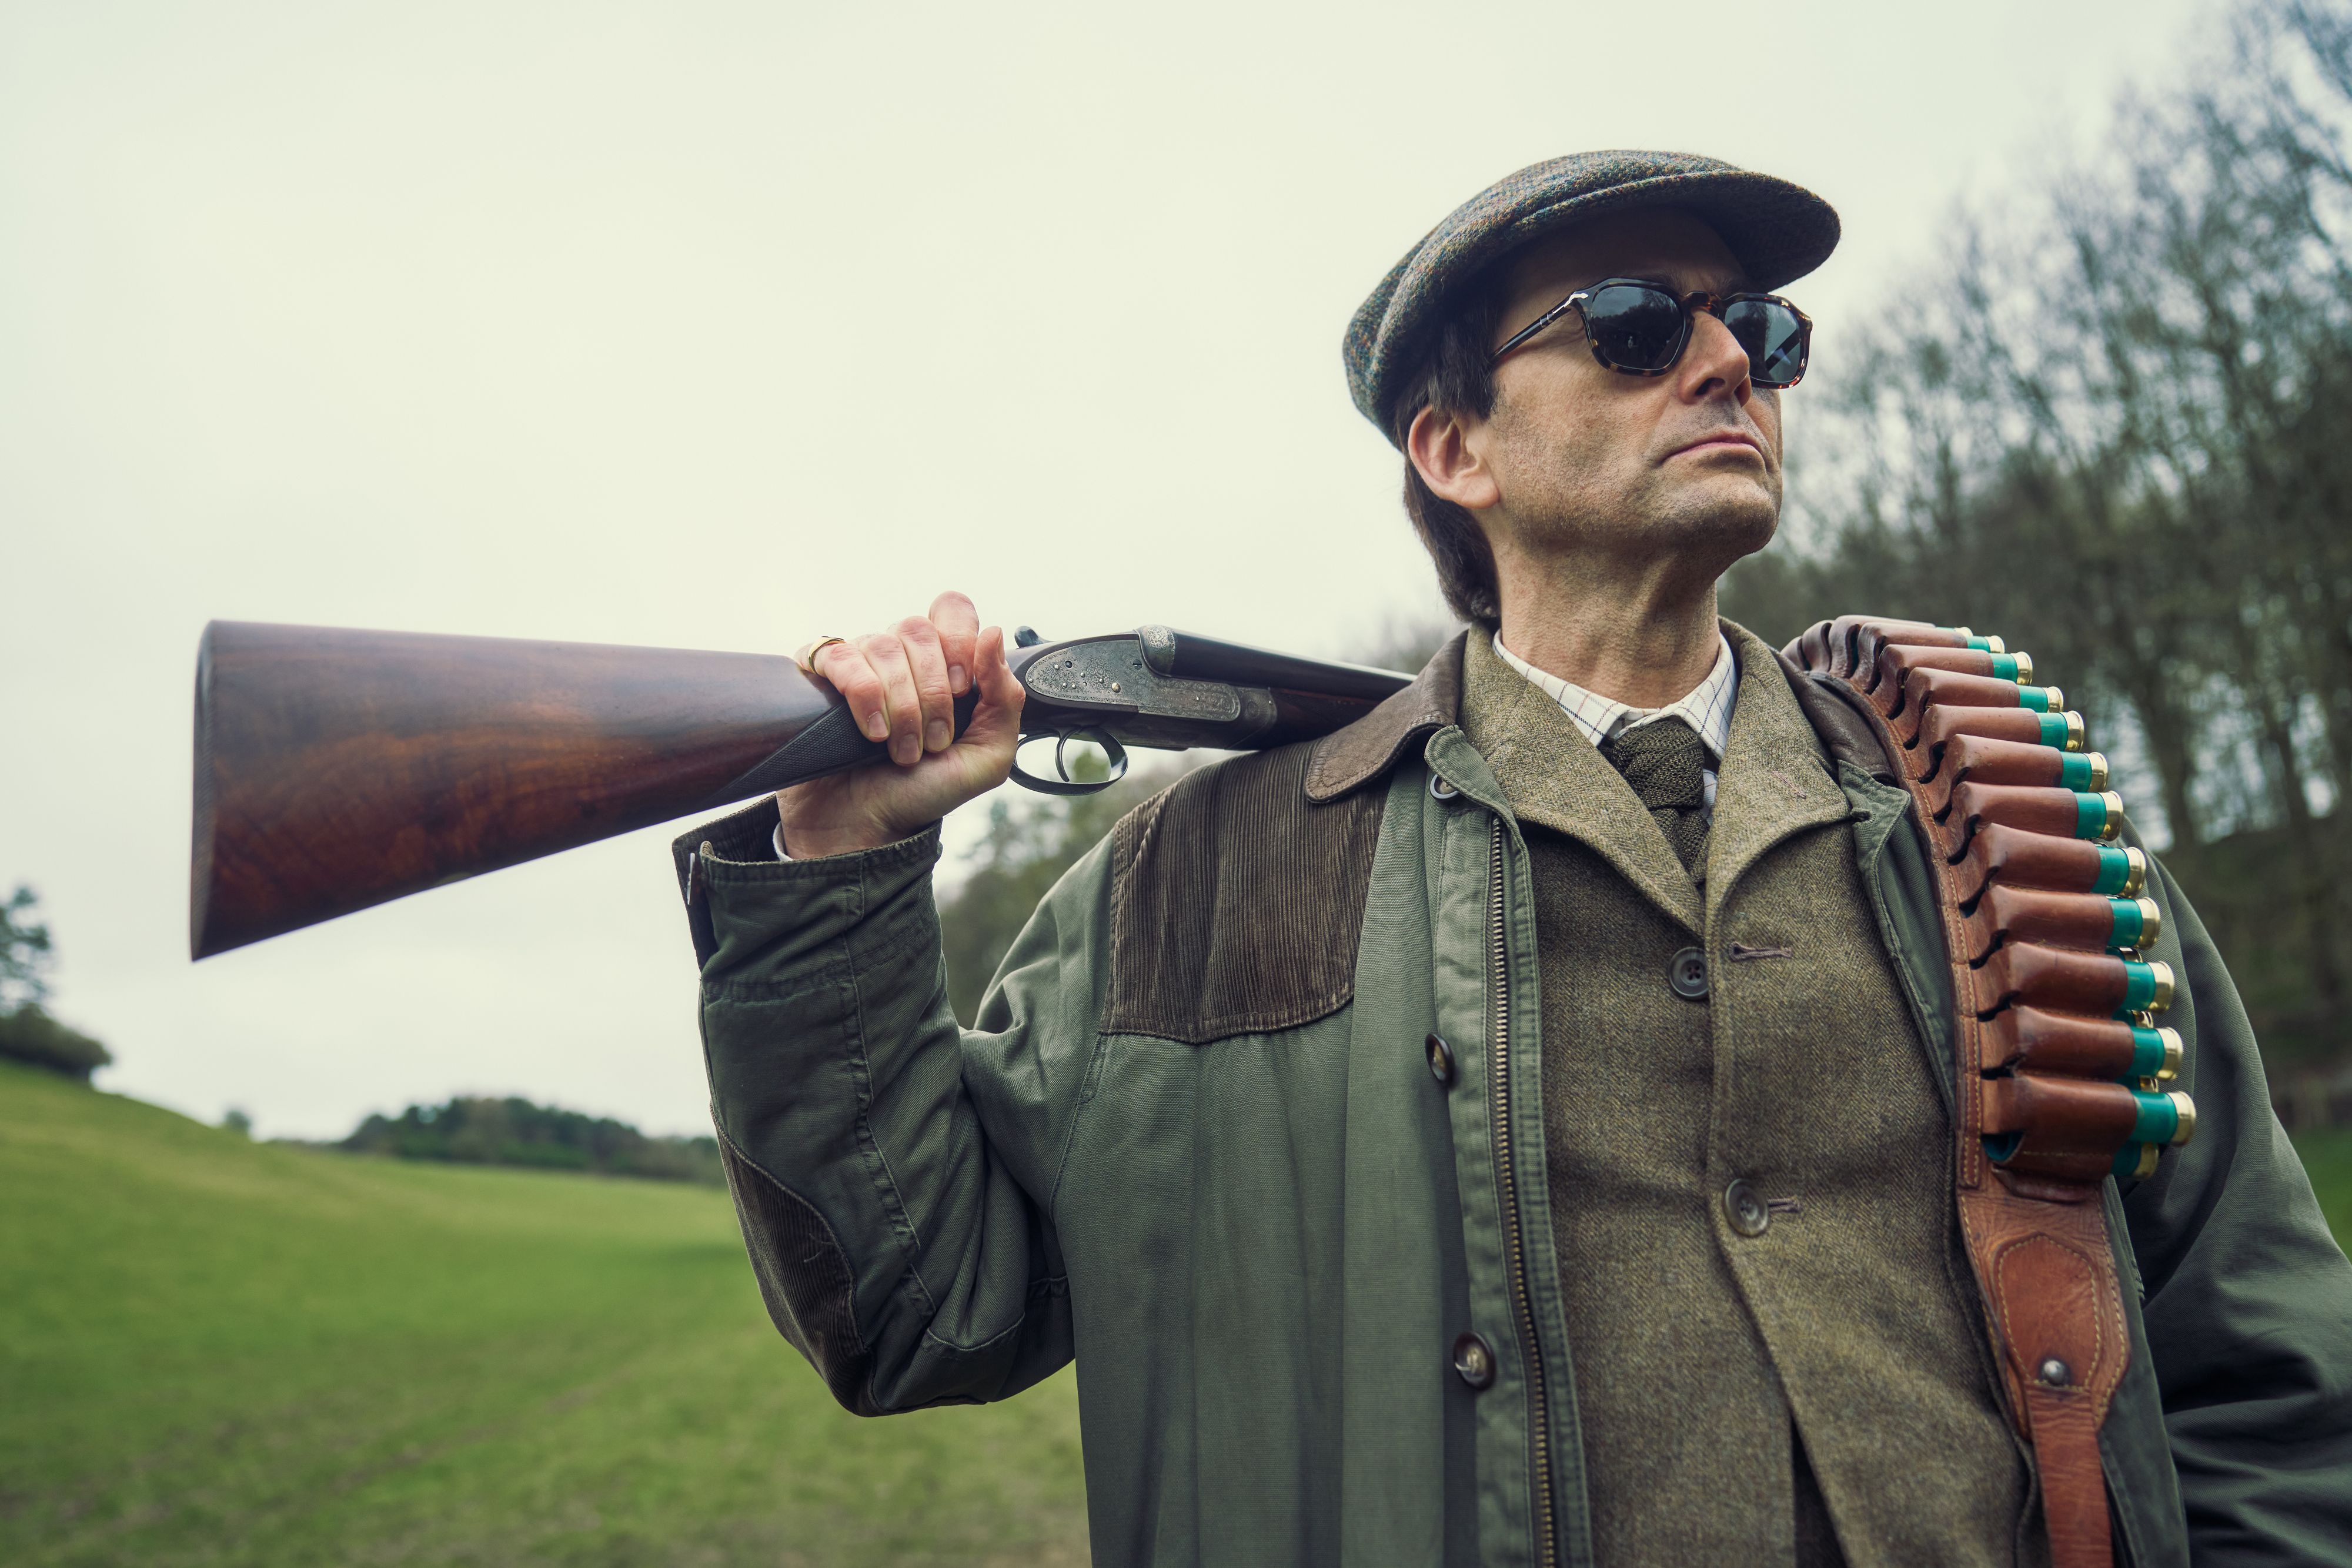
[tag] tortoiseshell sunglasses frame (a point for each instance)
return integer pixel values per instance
(1703, 299)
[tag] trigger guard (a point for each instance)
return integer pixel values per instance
(1066, 785)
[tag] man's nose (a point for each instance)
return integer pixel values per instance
(1713, 359)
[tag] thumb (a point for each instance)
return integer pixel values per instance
(996, 721)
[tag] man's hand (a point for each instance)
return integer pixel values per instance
(901, 687)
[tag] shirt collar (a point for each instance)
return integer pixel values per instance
(1706, 708)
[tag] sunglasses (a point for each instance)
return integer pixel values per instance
(1642, 329)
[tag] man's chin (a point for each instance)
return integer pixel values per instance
(1733, 516)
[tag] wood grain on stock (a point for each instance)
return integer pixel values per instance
(337, 769)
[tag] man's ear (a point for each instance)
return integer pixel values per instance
(1440, 443)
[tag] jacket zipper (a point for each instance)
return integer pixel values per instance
(1498, 1080)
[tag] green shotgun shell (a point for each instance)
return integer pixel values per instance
(2122, 871)
(1981, 644)
(2042, 699)
(2159, 1118)
(2137, 923)
(2062, 730)
(2135, 1160)
(2018, 667)
(2156, 1054)
(2099, 816)
(2148, 987)
(2082, 770)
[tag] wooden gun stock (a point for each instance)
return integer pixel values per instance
(337, 769)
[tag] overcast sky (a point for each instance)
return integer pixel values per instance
(720, 326)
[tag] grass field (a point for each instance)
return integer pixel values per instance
(218, 1353)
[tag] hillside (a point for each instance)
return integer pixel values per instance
(214, 1352)
(218, 1353)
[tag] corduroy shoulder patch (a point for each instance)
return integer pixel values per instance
(1236, 903)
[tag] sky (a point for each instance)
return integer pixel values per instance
(722, 326)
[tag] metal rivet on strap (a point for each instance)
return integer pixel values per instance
(2054, 1372)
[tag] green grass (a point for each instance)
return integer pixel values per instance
(2327, 1155)
(218, 1353)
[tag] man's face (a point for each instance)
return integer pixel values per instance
(1684, 466)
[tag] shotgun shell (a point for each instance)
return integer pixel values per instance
(2137, 1161)
(2082, 770)
(2159, 1118)
(2147, 987)
(2018, 667)
(2137, 923)
(2099, 816)
(2062, 730)
(2122, 871)
(2042, 699)
(2156, 1054)
(2184, 1116)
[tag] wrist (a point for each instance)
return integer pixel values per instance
(808, 841)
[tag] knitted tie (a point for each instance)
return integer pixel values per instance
(1664, 761)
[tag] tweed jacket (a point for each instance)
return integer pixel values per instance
(1254, 1123)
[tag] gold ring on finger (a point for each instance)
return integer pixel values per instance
(807, 657)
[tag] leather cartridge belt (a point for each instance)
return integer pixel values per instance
(2063, 1066)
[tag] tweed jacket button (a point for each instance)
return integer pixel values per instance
(1473, 1360)
(1441, 1061)
(1686, 973)
(1440, 790)
(1748, 1213)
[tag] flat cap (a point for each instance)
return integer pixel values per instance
(1777, 231)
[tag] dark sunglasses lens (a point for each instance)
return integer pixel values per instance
(1634, 328)
(1774, 338)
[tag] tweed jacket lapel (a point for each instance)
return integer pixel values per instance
(1554, 778)
(1773, 782)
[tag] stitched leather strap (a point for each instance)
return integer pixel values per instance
(2056, 1057)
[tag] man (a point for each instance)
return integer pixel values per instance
(1516, 1128)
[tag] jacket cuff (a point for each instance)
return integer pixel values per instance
(754, 917)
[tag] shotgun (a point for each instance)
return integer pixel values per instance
(337, 769)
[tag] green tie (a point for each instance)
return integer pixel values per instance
(1666, 761)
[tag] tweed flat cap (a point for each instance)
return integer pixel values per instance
(1776, 230)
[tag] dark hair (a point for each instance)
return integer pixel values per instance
(1453, 377)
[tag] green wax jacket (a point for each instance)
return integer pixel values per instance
(1247, 1126)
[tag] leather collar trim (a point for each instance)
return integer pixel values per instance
(1365, 750)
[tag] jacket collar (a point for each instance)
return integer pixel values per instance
(1835, 710)
(1364, 750)
(1348, 758)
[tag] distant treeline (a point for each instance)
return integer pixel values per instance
(515, 1132)
(28, 1033)
(2109, 422)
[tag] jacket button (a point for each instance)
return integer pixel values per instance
(1439, 789)
(1441, 1061)
(1473, 1360)
(1686, 973)
(1747, 1210)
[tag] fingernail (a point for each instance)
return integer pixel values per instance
(877, 727)
(936, 735)
(957, 679)
(906, 748)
